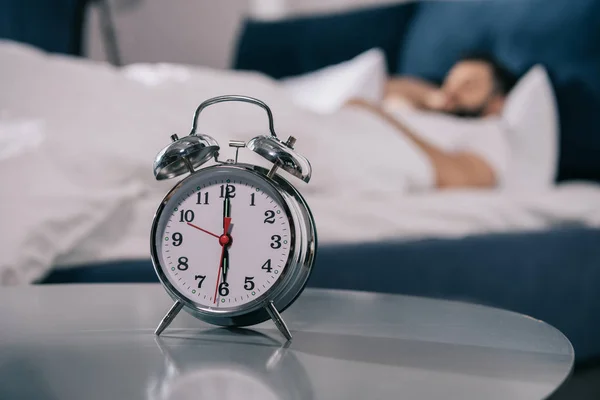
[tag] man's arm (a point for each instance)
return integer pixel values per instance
(453, 170)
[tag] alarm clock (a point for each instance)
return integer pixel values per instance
(233, 244)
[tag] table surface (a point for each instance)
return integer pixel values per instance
(97, 342)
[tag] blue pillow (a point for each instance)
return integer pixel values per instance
(300, 45)
(52, 25)
(560, 34)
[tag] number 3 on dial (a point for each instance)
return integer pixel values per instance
(276, 241)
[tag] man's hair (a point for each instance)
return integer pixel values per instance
(504, 79)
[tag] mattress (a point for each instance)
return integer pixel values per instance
(550, 275)
(385, 217)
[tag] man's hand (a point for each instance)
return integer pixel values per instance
(437, 101)
(358, 102)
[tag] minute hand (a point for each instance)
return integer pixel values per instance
(226, 210)
(226, 238)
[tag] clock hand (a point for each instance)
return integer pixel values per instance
(203, 230)
(226, 209)
(225, 262)
(219, 273)
(224, 240)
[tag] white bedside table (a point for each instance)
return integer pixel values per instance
(96, 342)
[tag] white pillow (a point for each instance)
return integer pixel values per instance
(326, 90)
(531, 115)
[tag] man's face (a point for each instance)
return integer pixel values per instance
(469, 88)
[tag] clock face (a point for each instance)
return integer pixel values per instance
(223, 238)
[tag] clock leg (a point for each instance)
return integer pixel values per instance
(167, 319)
(279, 323)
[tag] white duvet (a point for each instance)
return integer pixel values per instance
(77, 184)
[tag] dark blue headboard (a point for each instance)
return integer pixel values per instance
(52, 25)
(304, 44)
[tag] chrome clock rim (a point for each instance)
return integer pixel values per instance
(297, 268)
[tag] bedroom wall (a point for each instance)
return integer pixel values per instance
(199, 32)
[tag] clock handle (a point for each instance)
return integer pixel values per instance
(278, 321)
(167, 319)
(233, 97)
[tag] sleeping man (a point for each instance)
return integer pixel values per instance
(466, 152)
(415, 139)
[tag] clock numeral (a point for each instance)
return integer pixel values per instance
(200, 279)
(224, 289)
(267, 266)
(200, 198)
(186, 215)
(270, 214)
(227, 190)
(276, 241)
(249, 283)
(177, 239)
(183, 263)
(252, 199)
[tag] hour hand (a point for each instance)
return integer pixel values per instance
(225, 263)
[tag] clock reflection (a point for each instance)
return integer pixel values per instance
(227, 364)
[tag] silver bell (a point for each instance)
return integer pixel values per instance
(190, 152)
(282, 155)
(184, 155)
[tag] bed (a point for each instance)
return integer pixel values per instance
(535, 253)
(551, 273)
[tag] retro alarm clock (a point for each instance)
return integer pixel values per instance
(233, 244)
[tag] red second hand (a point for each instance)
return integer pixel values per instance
(203, 230)
(219, 274)
(226, 223)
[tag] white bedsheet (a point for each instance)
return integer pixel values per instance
(386, 216)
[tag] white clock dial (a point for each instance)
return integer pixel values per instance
(218, 269)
